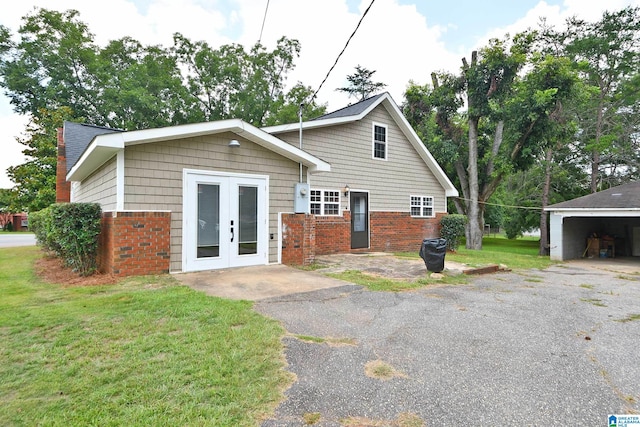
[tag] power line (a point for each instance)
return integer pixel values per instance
(341, 52)
(263, 21)
(535, 208)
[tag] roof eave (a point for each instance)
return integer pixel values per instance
(103, 147)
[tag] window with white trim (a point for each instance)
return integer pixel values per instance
(325, 202)
(379, 142)
(422, 206)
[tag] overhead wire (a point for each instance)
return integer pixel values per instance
(342, 51)
(264, 19)
(502, 205)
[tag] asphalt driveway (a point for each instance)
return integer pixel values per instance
(553, 347)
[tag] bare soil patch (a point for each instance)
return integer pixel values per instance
(52, 270)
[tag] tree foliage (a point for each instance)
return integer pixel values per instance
(361, 86)
(55, 62)
(606, 53)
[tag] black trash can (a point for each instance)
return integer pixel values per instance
(432, 252)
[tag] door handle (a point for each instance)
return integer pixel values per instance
(232, 234)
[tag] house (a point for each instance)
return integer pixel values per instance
(224, 194)
(606, 223)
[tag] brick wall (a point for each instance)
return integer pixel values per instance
(134, 243)
(63, 187)
(400, 232)
(305, 236)
(298, 239)
(333, 234)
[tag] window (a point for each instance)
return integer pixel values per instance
(422, 206)
(379, 142)
(325, 202)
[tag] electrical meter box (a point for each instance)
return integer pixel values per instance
(301, 198)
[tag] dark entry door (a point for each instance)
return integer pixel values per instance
(359, 203)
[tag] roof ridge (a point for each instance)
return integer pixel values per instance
(354, 107)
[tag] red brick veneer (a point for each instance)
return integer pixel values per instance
(305, 236)
(298, 239)
(63, 187)
(134, 243)
(400, 232)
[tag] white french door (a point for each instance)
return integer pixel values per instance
(224, 220)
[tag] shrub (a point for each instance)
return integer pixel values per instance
(452, 229)
(41, 224)
(70, 230)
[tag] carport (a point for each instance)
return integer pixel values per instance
(603, 224)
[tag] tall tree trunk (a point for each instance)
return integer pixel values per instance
(544, 235)
(474, 237)
(595, 157)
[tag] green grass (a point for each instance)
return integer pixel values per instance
(146, 351)
(374, 283)
(521, 253)
(630, 318)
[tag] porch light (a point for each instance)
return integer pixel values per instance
(346, 190)
(234, 143)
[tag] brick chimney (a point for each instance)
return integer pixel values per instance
(63, 187)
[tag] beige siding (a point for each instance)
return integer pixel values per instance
(348, 148)
(153, 178)
(99, 187)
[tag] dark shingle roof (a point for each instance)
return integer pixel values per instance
(351, 110)
(78, 136)
(624, 196)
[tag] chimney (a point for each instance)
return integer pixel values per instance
(63, 187)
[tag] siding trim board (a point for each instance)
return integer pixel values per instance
(120, 180)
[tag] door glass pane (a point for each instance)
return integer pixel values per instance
(358, 213)
(208, 220)
(248, 220)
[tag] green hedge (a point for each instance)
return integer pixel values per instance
(452, 229)
(70, 230)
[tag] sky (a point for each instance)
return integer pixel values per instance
(402, 40)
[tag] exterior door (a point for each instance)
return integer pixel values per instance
(225, 222)
(359, 203)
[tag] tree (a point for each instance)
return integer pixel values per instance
(484, 84)
(361, 86)
(55, 62)
(36, 179)
(607, 54)
(507, 122)
(5, 208)
(286, 107)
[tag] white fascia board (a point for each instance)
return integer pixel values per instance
(103, 147)
(595, 213)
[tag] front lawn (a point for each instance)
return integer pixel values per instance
(521, 253)
(146, 351)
